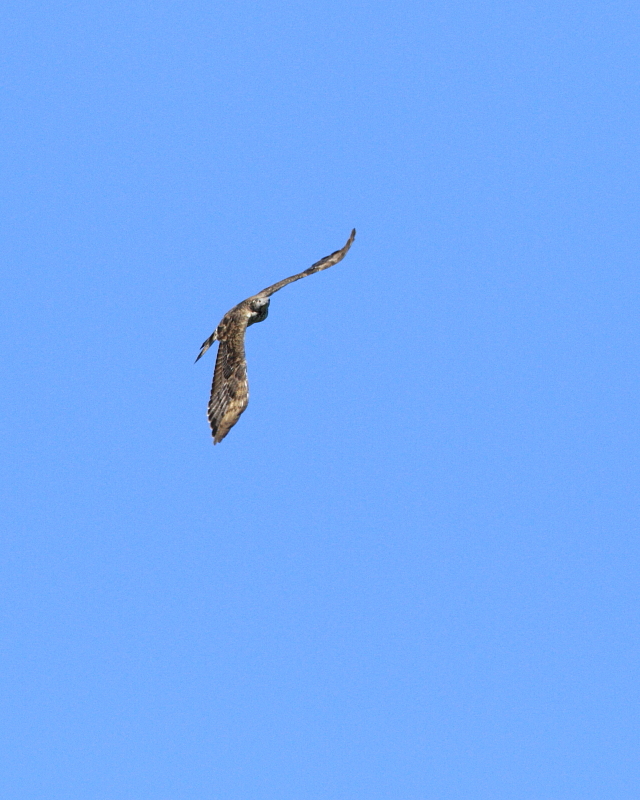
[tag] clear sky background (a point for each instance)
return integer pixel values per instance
(410, 572)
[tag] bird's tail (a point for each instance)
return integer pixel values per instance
(206, 345)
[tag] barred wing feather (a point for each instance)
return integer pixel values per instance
(230, 388)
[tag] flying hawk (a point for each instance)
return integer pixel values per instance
(230, 389)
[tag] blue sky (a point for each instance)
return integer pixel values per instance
(411, 570)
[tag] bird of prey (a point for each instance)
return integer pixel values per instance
(230, 389)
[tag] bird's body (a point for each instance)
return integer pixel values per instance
(230, 389)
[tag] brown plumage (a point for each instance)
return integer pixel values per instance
(230, 389)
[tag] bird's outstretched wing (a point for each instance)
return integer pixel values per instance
(230, 388)
(324, 263)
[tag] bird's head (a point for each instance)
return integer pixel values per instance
(259, 308)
